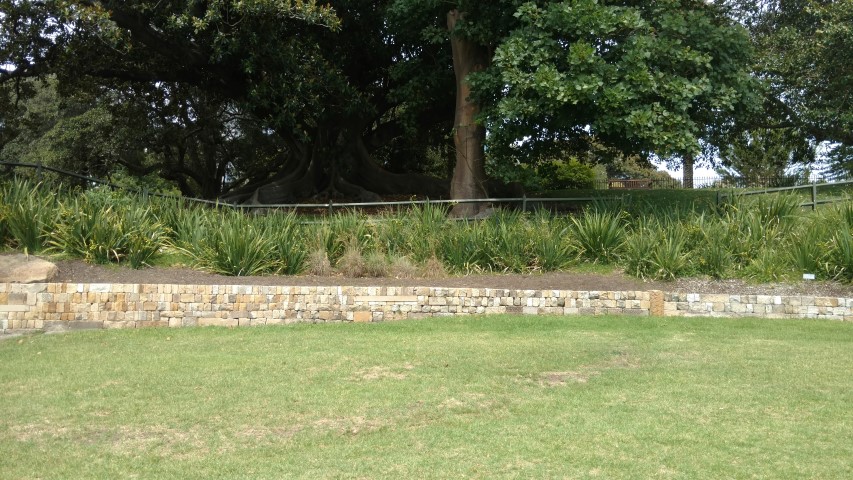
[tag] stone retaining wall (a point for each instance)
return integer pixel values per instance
(61, 305)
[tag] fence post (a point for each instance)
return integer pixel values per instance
(331, 205)
(524, 202)
(814, 196)
(38, 172)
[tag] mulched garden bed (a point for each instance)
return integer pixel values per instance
(74, 271)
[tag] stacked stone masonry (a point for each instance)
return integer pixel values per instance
(66, 305)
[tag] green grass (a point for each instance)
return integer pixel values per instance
(488, 397)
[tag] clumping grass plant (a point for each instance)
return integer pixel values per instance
(100, 226)
(600, 235)
(28, 212)
(237, 247)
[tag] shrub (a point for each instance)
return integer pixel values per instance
(91, 232)
(288, 248)
(550, 245)
(637, 258)
(4, 236)
(351, 263)
(236, 248)
(425, 227)
(767, 266)
(402, 267)
(600, 235)
(146, 237)
(669, 257)
(187, 225)
(777, 210)
(433, 268)
(809, 250)
(714, 260)
(506, 241)
(841, 255)
(392, 233)
(100, 226)
(461, 248)
(28, 215)
(655, 251)
(568, 174)
(375, 264)
(317, 263)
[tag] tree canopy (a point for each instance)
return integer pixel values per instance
(283, 100)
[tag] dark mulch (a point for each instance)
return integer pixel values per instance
(74, 271)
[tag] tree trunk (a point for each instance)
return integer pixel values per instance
(687, 175)
(336, 164)
(367, 174)
(469, 175)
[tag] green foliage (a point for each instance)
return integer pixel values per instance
(642, 76)
(778, 210)
(286, 237)
(90, 232)
(764, 239)
(424, 225)
(841, 255)
(568, 174)
(805, 52)
(462, 248)
(188, 225)
(763, 157)
(809, 253)
(28, 213)
(507, 244)
(4, 231)
(657, 251)
(600, 235)
(238, 247)
(101, 227)
(551, 246)
(768, 266)
(638, 246)
(713, 257)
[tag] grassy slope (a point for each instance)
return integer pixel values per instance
(485, 397)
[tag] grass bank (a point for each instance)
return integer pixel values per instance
(491, 397)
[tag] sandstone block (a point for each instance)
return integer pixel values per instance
(19, 268)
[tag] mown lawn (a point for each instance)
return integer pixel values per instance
(488, 397)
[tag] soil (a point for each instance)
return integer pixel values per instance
(74, 271)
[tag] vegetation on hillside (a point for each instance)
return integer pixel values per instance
(766, 239)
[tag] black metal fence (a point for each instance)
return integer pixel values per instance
(620, 188)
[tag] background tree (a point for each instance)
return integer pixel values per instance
(331, 101)
(767, 157)
(805, 57)
(350, 88)
(640, 77)
(74, 132)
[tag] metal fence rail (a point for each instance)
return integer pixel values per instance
(330, 205)
(524, 201)
(813, 190)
